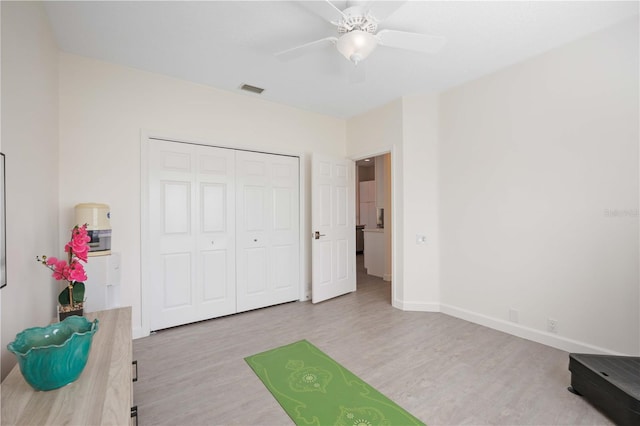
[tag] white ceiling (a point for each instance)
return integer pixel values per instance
(227, 43)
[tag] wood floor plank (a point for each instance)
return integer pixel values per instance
(442, 369)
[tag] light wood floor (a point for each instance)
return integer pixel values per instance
(443, 370)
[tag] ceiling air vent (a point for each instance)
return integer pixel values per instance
(252, 89)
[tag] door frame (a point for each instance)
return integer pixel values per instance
(392, 151)
(146, 137)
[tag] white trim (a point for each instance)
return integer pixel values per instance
(195, 140)
(396, 239)
(416, 306)
(543, 337)
(518, 330)
(145, 263)
(305, 287)
(145, 287)
(138, 332)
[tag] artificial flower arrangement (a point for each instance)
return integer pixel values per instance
(71, 270)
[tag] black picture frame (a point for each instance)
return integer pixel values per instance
(3, 224)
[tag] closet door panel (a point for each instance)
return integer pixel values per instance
(171, 224)
(215, 241)
(267, 219)
(214, 206)
(191, 228)
(282, 256)
(256, 258)
(177, 268)
(214, 270)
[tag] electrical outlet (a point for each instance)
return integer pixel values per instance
(552, 325)
(513, 315)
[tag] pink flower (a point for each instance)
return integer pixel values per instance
(78, 245)
(77, 272)
(59, 267)
(78, 249)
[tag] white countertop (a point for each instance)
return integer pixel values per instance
(373, 230)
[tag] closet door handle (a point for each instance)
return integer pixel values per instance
(317, 235)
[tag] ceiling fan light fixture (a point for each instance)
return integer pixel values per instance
(356, 45)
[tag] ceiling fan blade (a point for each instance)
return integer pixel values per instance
(296, 52)
(411, 41)
(381, 10)
(325, 9)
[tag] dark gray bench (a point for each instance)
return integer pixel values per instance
(610, 383)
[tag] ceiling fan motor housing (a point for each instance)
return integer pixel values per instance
(355, 18)
(357, 29)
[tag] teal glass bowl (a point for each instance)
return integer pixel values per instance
(53, 356)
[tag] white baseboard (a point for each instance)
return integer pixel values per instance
(416, 306)
(543, 337)
(546, 338)
(138, 333)
(386, 277)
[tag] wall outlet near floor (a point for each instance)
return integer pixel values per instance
(552, 325)
(513, 315)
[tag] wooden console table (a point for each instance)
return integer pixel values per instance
(102, 395)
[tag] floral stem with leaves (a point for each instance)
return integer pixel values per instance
(71, 270)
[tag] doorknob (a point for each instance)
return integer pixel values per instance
(317, 235)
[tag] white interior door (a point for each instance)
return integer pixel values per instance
(267, 230)
(333, 226)
(192, 240)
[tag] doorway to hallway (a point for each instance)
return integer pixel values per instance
(374, 218)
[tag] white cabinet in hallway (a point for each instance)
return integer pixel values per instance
(375, 253)
(223, 231)
(367, 200)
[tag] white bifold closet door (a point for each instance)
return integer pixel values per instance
(267, 225)
(192, 238)
(223, 231)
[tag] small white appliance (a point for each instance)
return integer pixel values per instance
(96, 216)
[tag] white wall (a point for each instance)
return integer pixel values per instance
(105, 107)
(30, 142)
(373, 133)
(535, 161)
(408, 128)
(420, 207)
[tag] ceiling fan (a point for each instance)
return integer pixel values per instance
(357, 36)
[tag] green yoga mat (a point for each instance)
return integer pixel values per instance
(315, 390)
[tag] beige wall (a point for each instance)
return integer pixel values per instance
(375, 132)
(105, 107)
(419, 212)
(408, 128)
(30, 143)
(534, 161)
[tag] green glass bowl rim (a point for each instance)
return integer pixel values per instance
(93, 329)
